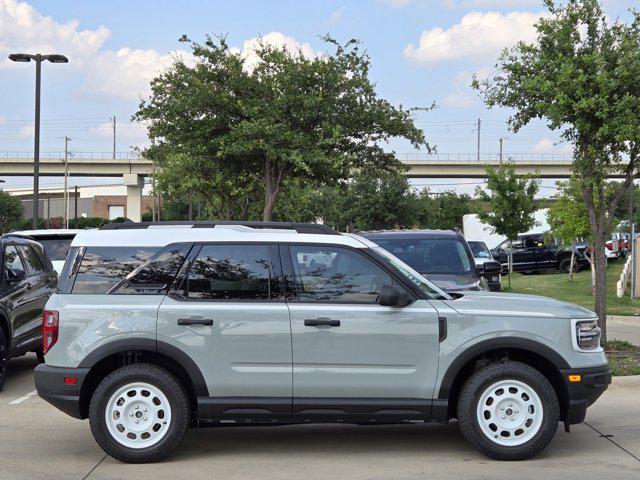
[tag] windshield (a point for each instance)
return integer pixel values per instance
(56, 248)
(429, 289)
(432, 256)
(479, 249)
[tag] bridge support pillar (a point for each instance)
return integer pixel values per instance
(134, 184)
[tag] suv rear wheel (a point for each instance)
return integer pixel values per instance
(139, 413)
(508, 411)
(565, 265)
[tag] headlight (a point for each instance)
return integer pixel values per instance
(587, 334)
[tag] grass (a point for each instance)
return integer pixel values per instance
(624, 358)
(557, 285)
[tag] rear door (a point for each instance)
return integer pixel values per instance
(42, 279)
(351, 356)
(229, 315)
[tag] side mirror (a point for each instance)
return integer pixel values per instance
(392, 296)
(491, 268)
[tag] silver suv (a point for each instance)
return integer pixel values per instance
(157, 328)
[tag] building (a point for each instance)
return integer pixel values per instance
(105, 201)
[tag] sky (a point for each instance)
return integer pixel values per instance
(422, 51)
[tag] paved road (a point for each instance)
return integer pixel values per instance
(624, 328)
(38, 442)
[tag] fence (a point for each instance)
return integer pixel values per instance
(54, 207)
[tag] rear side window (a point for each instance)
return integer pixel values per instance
(103, 267)
(156, 275)
(231, 272)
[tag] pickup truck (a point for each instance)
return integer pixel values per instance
(531, 253)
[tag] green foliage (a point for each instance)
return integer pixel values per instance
(509, 206)
(10, 211)
(444, 210)
(229, 132)
(568, 216)
(87, 222)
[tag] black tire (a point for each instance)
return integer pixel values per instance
(4, 359)
(40, 355)
(162, 380)
(565, 265)
(484, 378)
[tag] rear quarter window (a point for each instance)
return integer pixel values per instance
(102, 268)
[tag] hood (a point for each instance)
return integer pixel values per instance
(516, 305)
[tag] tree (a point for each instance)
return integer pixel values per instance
(444, 210)
(227, 126)
(10, 211)
(583, 77)
(510, 206)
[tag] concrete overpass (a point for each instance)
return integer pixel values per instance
(133, 168)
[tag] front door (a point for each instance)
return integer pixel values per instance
(17, 295)
(230, 317)
(352, 357)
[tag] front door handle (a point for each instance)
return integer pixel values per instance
(195, 321)
(321, 322)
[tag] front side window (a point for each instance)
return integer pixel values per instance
(231, 272)
(479, 250)
(13, 266)
(103, 267)
(336, 275)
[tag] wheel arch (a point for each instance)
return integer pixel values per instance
(530, 352)
(114, 355)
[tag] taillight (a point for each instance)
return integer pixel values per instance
(50, 324)
(609, 245)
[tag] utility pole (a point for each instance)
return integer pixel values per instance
(75, 215)
(114, 137)
(501, 150)
(66, 182)
(479, 124)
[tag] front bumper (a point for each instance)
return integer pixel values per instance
(581, 394)
(51, 386)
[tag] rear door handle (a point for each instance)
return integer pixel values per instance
(195, 321)
(321, 322)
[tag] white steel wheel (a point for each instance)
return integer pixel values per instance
(509, 413)
(138, 415)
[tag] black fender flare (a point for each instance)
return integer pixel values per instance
(5, 324)
(496, 344)
(150, 345)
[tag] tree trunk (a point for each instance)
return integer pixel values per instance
(573, 259)
(272, 183)
(601, 284)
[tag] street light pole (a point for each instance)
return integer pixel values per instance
(38, 58)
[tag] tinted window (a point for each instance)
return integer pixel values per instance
(447, 256)
(33, 263)
(331, 274)
(13, 266)
(231, 272)
(479, 249)
(155, 277)
(103, 267)
(56, 247)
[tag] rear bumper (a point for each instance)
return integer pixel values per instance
(593, 382)
(51, 386)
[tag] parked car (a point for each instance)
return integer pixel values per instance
(28, 279)
(56, 243)
(531, 253)
(482, 255)
(153, 330)
(442, 256)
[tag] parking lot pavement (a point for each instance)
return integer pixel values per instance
(624, 328)
(37, 441)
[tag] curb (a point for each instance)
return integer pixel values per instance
(628, 320)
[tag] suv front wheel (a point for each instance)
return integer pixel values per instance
(139, 413)
(508, 411)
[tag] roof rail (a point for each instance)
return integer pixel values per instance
(315, 228)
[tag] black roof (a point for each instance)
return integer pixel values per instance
(315, 228)
(409, 233)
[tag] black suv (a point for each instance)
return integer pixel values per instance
(443, 256)
(534, 253)
(28, 279)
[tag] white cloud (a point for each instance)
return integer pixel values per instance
(547, 146)
(124, 73)
(458, 100)
(336, 16)
(478, 36)
(28, 131)
(275, 39)
(481, 4)
(463, 96)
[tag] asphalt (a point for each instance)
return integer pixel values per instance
(624, 328)
(39, 442)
